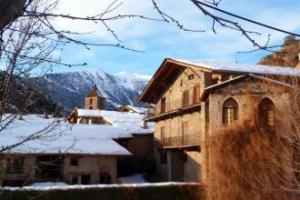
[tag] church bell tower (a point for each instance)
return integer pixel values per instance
(93, 100)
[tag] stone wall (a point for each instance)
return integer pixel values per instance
(93, 103)
(248, 95)
(86, 165)
(193, 167)
(184, 82)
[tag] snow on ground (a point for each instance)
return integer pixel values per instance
(68, 187)
(59, 136)
(48, 184)
(244, 68)
(131, 122)
(136, 178)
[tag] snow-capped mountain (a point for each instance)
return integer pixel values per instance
(133, 81)
(69, 89)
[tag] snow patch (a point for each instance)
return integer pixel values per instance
(136, 178)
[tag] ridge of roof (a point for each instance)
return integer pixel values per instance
(241, 68)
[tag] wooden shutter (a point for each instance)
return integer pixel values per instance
(163, 105)
(185, 98)
(196, 94)
(162, 133)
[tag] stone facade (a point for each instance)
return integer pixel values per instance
(183, 131)
(185, 117)
(25, 169)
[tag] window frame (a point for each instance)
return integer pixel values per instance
(267, 109)
(74, 162)
(230, 111)
(191, 77)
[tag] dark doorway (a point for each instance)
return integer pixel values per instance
(49, 167)
(105, 178)
(85, 179)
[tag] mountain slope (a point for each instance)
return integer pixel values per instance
(69, 89)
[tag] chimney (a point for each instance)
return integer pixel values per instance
(144, 124)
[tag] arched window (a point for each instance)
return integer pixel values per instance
(266, 114)
(230, 111)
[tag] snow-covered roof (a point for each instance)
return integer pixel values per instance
(62, 137)
(242, 68)
(132, 122)
(88, 113)
(140, 110)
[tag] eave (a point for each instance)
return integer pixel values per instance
(160, 82)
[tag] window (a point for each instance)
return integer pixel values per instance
(15, 166)
(163, 157)
(91, 101)
(162, 132)
(105, 178)
(196, 94)
(74, 162)
(163, 105)
(85, 179)
(266, 114)
(185, 98)
(191, 76)
(230, 111)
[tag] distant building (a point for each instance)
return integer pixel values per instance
(132, 109)
(74, 154)
(94, 100)
(140, 144)
(192, 99)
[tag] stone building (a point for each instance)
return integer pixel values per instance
(74, 154)
(192, 99)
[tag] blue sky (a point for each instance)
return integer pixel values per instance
(160, 40)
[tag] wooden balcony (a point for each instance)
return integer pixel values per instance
(180, 142)
(178, 112)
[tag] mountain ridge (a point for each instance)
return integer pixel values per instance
(68, 89)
